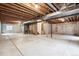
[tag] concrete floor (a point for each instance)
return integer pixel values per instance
(38, 45)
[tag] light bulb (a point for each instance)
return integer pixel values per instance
(36, 6)
(61, 20)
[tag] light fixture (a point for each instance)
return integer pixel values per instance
(39, 20)
(19, 22)
(36, 6)
(27, 22)
(61, 19)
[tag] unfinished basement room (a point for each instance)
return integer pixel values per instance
(39, 29)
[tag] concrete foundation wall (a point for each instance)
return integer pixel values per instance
(66, 28)
(46, 28)
(39, 28)
(43, 28)
(16, 28)
(0, 27)
(33, 28)
(70, 28)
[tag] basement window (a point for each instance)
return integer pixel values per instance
(9, 27)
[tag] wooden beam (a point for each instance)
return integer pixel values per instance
(51, 7)
(56, 8)
(72, 19)
(77, 18)
(69, 19)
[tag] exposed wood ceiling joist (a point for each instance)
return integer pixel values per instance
(10, 15)
(43, 5)
(51, 7)
(13, 8)
(29, 11)
(29, 6)
(25, 9)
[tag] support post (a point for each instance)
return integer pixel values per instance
(51, 30)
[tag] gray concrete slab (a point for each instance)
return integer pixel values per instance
(41, 45)
(7, 48)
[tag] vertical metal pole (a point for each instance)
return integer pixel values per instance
(51, 30)
(1, 25)
(28, 29)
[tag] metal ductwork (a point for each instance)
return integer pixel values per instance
(31, 22)
(61, 14)
(55, 15)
